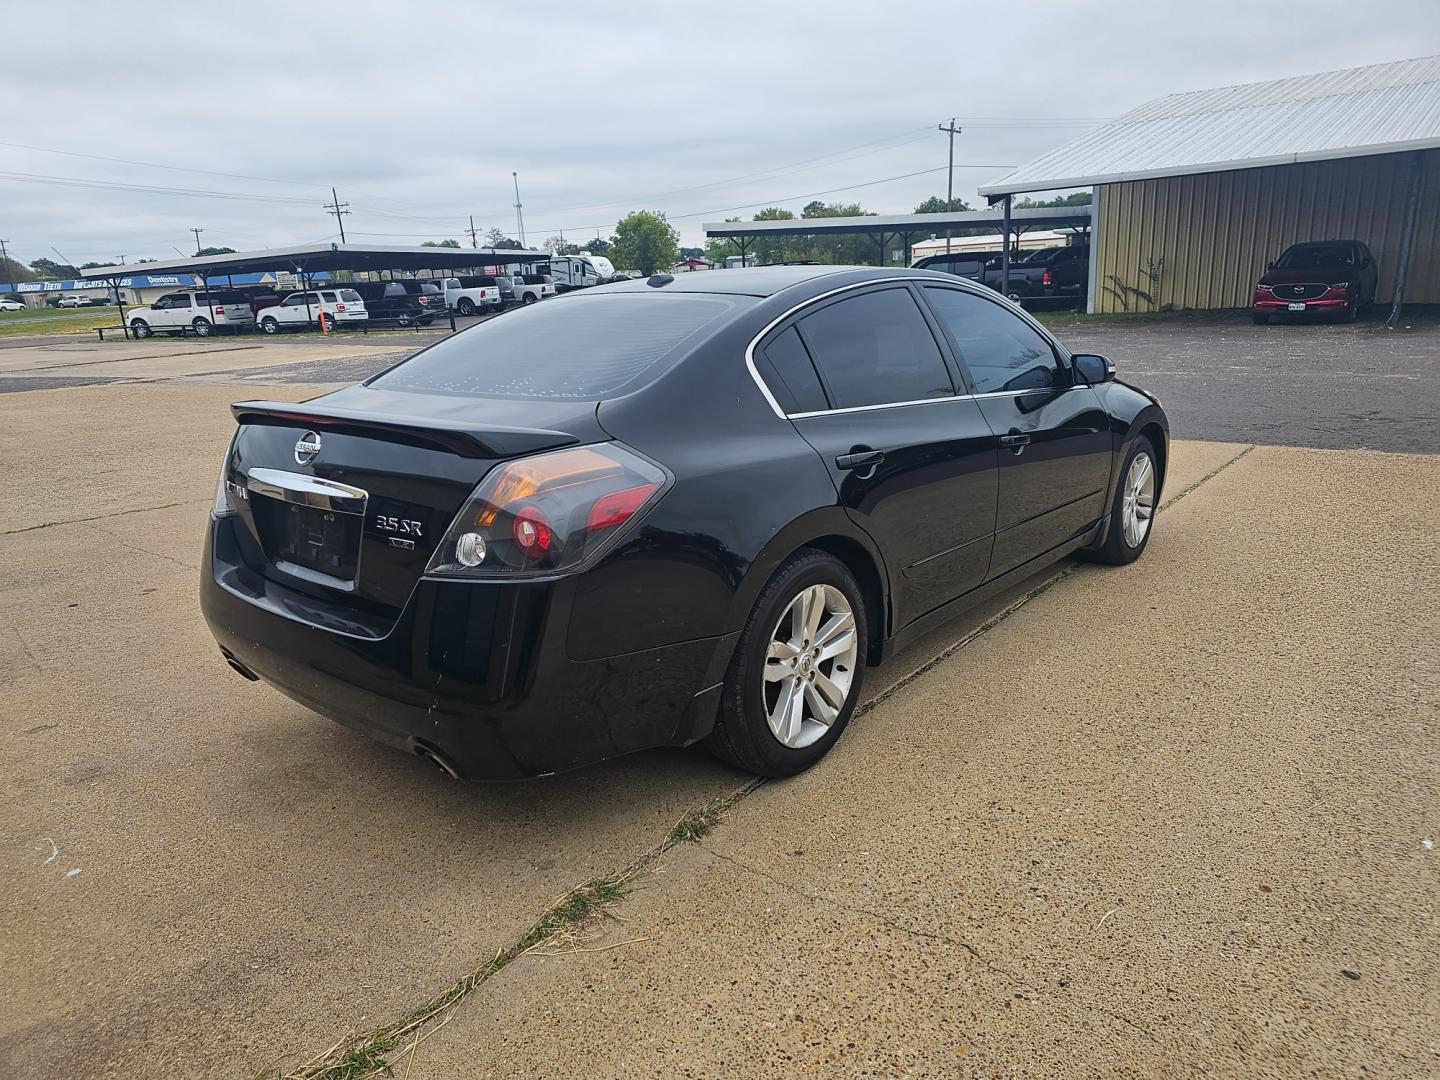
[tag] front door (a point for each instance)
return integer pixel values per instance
(1055, 438)
(914, 465)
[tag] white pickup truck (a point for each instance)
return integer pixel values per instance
(531, 288)
(204, 313)
(467, 295)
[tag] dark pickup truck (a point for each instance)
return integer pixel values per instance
(1058, 273)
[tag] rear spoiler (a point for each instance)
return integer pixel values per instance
(466, 440)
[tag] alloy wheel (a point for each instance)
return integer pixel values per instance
(810, 665)
(1138, 504)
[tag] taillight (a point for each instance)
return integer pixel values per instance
(549, 513)
(1045, 278)
(219, 312)
(339, 307)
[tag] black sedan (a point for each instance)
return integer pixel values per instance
(663, 512)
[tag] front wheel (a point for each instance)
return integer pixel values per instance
(140, 328)
(270, 325)
(1133, 508)
(201, 327)
(797, 671)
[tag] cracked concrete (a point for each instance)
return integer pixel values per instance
(1162, 820)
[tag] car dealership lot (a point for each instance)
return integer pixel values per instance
(1143, 822)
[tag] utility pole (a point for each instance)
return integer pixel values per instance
(338, 209)
(197, 233)
(472, 231)
(950, 182)
(3, 253)
(519, 217)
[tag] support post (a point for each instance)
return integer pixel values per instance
(1407, 235)
(120, 303)
(1005, 250)
(1092, 288)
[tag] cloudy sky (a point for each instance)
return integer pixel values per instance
(418, 113)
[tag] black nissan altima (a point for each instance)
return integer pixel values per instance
(665, 511)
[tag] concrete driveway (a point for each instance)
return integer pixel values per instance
(1080, 807)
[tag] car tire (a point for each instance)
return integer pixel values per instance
(1132, 509)
(426, 322)
(201, 327)
(140, 328)
(402, 321)
(1260, 320)
(1014, 297)
(754, 731)
(1351, 311)
(530, 298)
(270, 325)
(466, 306)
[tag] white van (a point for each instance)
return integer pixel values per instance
(341, 306)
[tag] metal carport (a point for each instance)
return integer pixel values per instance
(308, 259)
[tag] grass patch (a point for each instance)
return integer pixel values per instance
(45, 321)
(361, 1056)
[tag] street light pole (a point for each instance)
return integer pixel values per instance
(519, 217)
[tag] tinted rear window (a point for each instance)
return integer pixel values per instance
(349, 295)
(586, 348)
(874, 349)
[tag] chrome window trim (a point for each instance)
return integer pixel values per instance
(960, 285)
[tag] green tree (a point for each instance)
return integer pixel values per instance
(597, 246)
(51, 270)
(644, 241)
(558, 245)
(13, 270)
(774, 249)
(216, 251)
(1079, 198)
(720, 248)
(936, 205)
(494, 238)
(441, 243)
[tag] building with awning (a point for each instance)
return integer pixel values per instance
(1194, 193)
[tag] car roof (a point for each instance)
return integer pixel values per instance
(764, 280)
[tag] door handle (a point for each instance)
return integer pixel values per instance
(861, 459)
(1016, 440)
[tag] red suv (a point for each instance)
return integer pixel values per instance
(1334, 277)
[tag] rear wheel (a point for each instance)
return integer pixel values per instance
(140, 328)
(270, 325)
(466, 306)
(530, 298)
(797, 671)
(201, 327)
(1013, 296)
(1132, 509)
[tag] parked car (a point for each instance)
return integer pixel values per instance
(1051, 273)
(404, 302)
(219, 309)
(342, 306)
(1320, 277)
(966, 264)
(259, 297)
(665, 512)
(75, 301)
(7, 304)
(467, 295)
(532, 288)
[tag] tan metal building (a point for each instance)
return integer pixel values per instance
(1194, 193)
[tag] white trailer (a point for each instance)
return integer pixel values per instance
(580, 271)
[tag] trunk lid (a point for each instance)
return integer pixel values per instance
(345, 498)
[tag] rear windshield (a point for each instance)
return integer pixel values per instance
(535, 279)
(349, 295)
(584, 348)
(1305, 255)
(428, 289)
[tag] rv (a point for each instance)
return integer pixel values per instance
(579, 271)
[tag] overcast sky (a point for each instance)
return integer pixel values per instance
(418, 113)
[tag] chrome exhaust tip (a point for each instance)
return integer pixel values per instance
(430, 754)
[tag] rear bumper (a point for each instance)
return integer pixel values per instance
(476, 672)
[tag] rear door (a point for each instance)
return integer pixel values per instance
(1055, 439)
(913, 464)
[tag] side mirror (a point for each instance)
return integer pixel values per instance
(1093, 369)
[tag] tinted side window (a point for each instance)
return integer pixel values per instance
(875, 349)
(786, 368)
(394, 288)
(1002, 351)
